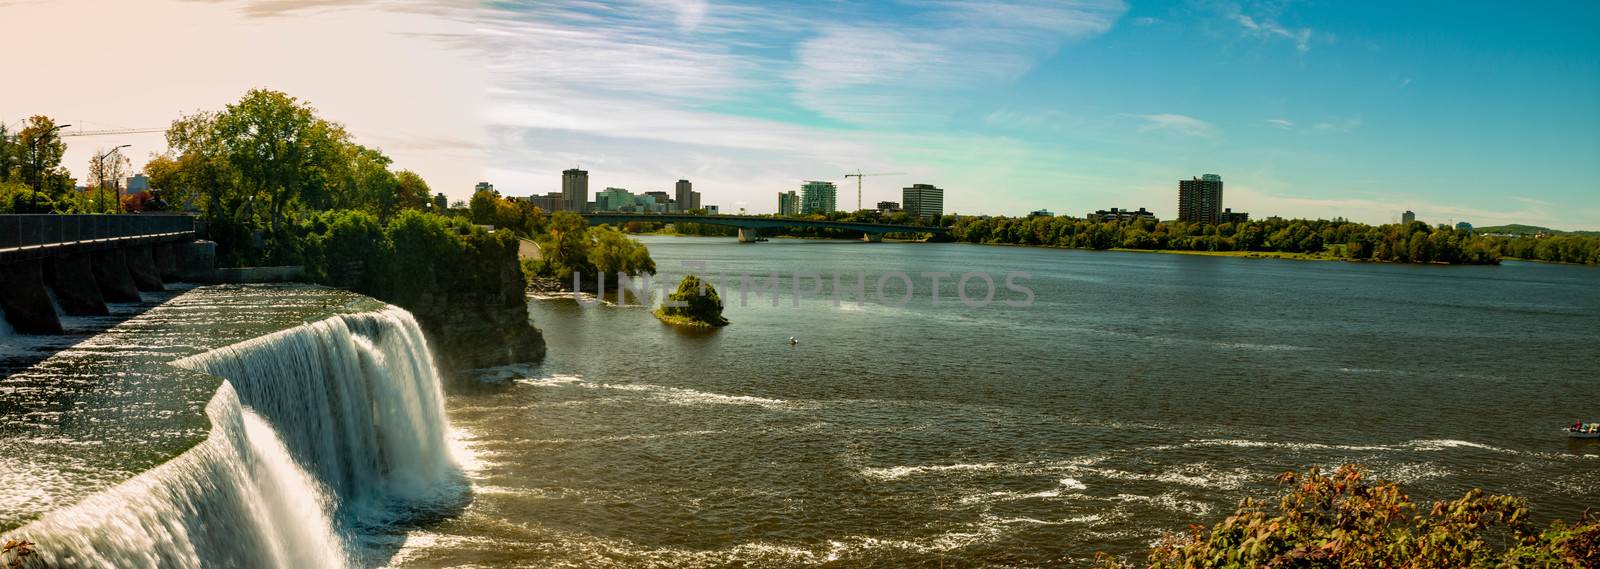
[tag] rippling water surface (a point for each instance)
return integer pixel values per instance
(1140, 393)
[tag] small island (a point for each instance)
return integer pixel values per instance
(697, 305)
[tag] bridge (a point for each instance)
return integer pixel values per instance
(80, 262)
(750, 226)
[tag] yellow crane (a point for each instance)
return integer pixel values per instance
(858, 176)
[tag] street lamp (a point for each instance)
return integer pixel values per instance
(38, 164)
(101, 162)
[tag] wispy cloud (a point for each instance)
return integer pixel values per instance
(1284, 124)
(894, 72)
(1339, 125)
(1174, 123)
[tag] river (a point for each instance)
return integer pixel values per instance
(1137, 393)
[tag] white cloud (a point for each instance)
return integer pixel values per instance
(896, 73)
(1284, 124)
(1339, 125)
(1268, 28)
(1180, 124)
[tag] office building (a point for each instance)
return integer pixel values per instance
(922, 201)
(614, 199)
(886, 208)
(818, 197)
(138, 183)
(575, 190)
(788, 203)
(662, 202)
(713, 210)
(1041, 213)
(686, 197)
(440, 202)
(1200, 199)
(1115, 214)
(550, 202)
(1407, 217)
(1230, 216)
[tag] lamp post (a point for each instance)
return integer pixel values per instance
(101, 163)
(38, 164)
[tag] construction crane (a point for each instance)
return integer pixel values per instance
(112, 131)
(858, 176)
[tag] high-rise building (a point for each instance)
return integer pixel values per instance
(1230, 216)
(484, 187)
(575, 189)
(788, 203)
(818, 197)
(1407, 217)
(687, 198)
(440, 203)
(663, 202)
(614, 199)
(922, 201)
(1200, 199)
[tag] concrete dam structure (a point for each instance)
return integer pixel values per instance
(53, 265)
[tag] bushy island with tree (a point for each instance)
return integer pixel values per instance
(1344, 519)
(694, 304)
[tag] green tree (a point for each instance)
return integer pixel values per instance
(411, 191)
(39, 150)
(694, 303)
(279, 147)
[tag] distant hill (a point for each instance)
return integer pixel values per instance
(1519, 229)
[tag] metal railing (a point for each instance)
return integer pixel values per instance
(30, 231)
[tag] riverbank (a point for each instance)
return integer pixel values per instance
(1241, 254)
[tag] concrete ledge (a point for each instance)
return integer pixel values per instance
(73, 281)
(26, 304)
(142, 267)
(237, 275)
(111, 272)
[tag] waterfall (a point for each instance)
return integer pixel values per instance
(319, 433)
(357, 400)
(236, 500)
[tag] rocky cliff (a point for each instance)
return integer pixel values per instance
(478, 315)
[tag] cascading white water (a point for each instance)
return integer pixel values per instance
(236, 500)
(318, 432)
(357, 400)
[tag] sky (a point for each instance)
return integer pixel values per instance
(1483, 112)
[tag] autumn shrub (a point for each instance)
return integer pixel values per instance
(1344, 519)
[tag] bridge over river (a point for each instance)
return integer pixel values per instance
(750, 226)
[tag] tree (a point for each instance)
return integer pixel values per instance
(411, 191)
(107, 169)
(698, 304)
(482, 207)
(196, 168)
(278, 146)
(10, 153)
(39, 159)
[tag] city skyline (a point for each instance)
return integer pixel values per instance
(1309, 111)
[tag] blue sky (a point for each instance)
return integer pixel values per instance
(1467, 111)
(1476, 111)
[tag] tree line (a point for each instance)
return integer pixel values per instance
(33, 180)
(1401, 243)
